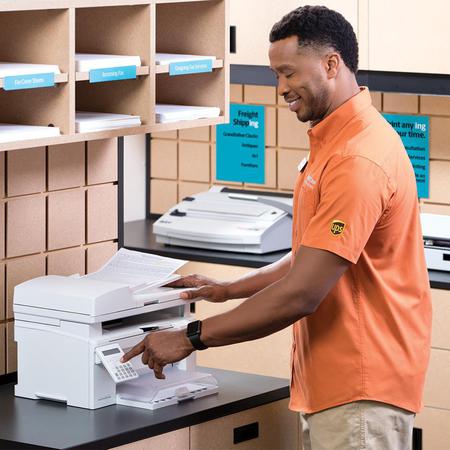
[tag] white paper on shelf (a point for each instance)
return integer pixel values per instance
(8, 69)
(84, 62)
(11, 132)
(96, 121)
(137, 270)
(173, 113)
(169, 58)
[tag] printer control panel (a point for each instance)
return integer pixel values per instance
(110, 357)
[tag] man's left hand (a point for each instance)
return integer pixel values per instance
(161, 348)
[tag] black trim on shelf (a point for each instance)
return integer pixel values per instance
(120, 191)
(148, 171)
(8, 378)
(248, 192)
(402, 82)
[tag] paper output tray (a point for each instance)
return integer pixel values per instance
(150, 393)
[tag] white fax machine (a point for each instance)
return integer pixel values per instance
(225, 219)
(436, 239)
(72, 331)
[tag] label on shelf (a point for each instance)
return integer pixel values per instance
(189, 67)
(33, 81)
(112, 74)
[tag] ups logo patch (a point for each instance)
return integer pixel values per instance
(337, 227)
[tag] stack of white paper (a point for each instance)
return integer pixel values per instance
(11, 132)
(174, 113)
(8, 69)
(95, 121)
(84, 62)
(169, 58)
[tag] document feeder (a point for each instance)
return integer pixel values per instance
(60, 322)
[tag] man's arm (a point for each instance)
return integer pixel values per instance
(297, 294)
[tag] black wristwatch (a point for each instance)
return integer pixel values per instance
(193, 332)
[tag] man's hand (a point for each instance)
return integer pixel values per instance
(208, 289)
(161, 348)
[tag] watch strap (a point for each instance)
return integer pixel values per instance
(193, 333)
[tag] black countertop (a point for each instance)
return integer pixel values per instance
(139, 236)
(40, 424)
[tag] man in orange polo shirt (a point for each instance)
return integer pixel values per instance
(355, 285)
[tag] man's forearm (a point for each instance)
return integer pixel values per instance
(257, 280)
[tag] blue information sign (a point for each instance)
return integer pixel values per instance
(189, 67)
(38, 80)
(414, 132)
(241, 145)
(112, 74)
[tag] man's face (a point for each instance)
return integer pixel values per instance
(302, 78)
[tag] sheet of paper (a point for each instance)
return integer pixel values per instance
(168, 58)
(137, 269)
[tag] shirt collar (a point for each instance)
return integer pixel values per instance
(327, 128)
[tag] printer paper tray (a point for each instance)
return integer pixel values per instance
(150, 393)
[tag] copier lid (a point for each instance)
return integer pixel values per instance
(74, 294)
(435, 226)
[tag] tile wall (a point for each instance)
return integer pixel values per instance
(183, 162)
(58, 216)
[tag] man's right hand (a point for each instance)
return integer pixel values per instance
(207, 289)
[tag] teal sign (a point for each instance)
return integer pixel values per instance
(414, 132)
(241, 145)
(189, 67)
(112, 74)
(34, 81)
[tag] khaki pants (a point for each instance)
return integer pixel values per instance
(362, 425)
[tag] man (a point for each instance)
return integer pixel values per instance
(355, 286)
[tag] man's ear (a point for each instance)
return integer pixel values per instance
(333, 63)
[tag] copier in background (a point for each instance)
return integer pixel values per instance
(226, 219)
(436, 239)
(71, 332)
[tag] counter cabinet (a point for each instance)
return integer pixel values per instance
(52, 32)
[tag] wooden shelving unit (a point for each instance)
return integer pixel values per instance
(52, 31)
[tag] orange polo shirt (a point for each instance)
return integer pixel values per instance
(370, 337)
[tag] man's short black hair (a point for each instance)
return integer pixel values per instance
(322, 27)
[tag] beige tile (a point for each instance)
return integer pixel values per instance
(97, 255)
(2, 229)
(165, 135)
(26, 171)
(2, 292)
(25, 226)
(67, 262)
(434, 104)
(163, 195)
(102, 161)
(270, 170)
(434, 423)
(291, 132)
(194, 161)
(236, 93)
(102, 213)
(186, 189)
(2, 349)
(288, 161)
(66, 219)
(164, 159)
(213, 134)
(260, 95)
(376, 100)
(440, 138)
(20, 270)
(433, 208)
(66, 166)
(400, 103)
(11, 349)
(214, 171)
(439, 182)
(195, 134)
(2, 174)
(271, 126)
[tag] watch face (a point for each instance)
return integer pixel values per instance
(193, 328)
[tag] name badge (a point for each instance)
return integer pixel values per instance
(34, 81)
(112, 74)
(190, 67)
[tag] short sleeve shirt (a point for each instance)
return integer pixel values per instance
(370, 337)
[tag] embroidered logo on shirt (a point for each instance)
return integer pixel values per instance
(310, 182)
(337, 227)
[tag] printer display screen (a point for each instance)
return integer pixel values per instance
(111, 351)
